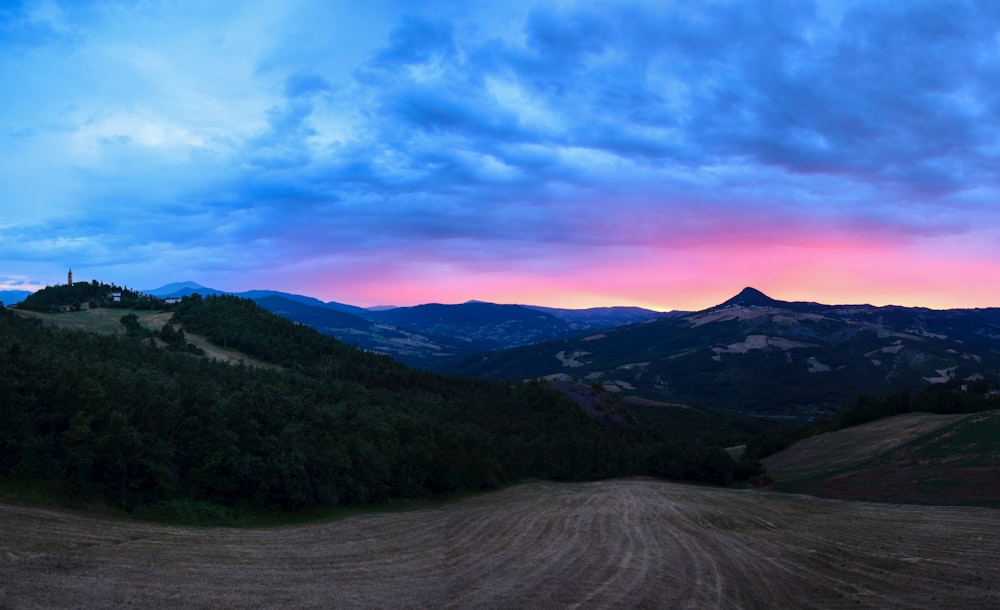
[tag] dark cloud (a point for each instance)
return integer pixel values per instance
(304, 85)
(567, 34)
(417, 40)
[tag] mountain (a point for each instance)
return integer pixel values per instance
(258, 295)
(423, 350)
(172, 288)
(751, 297)
(182, 289)
(431, 335)
(428, 334)
(422, 335)
(485, 326)
(760, 356)
(10, 297)
(603, 317)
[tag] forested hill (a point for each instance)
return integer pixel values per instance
(150, 428)
(91, 294)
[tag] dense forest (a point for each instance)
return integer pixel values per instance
(122, 418)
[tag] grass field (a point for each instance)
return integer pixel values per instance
(99, 320)
(623, 543)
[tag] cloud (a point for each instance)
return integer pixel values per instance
(417, 41)
(305, 85)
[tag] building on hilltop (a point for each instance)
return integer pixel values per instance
(70, 278)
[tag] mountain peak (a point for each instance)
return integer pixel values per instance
(750, 297)
(170, 289)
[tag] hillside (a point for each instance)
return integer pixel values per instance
(914, 458)
(429, 336)
(759, 356)
(108, 321)
(147, 421)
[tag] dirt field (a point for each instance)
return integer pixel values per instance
(629, 543)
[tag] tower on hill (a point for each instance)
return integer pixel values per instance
(70, 277)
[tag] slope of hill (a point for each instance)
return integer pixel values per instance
(108, 321)
(913, 458)
(756, 355)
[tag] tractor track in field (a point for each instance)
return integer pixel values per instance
(622, 543)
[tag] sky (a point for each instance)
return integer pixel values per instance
(660, 153)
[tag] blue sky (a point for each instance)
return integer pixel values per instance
(663, 154)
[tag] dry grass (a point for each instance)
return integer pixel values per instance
(626, 543)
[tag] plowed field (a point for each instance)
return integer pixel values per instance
(626, 543)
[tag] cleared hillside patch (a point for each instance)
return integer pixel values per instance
(98, 320)
(918, 457)
(107, 321)
(623, 543)
(827, 453)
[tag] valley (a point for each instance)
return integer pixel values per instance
(617, 543)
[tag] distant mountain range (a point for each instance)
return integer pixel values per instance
(432, 334)
(10, 297)
(751, 354)
(761, 356)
